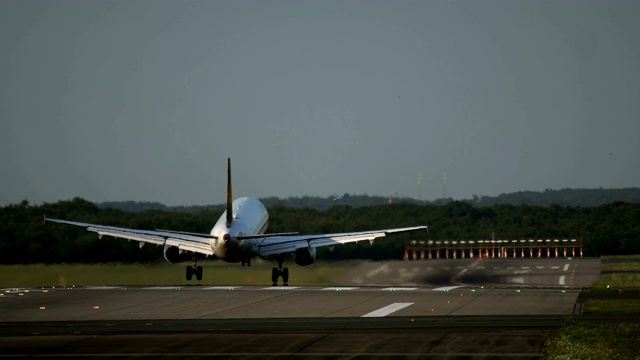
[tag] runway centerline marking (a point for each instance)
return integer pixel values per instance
(387, 310)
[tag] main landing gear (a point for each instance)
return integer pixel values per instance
(280, 272)
(194, 270)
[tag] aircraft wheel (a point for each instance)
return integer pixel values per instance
(285, 276)
(199, 273)
(189, 273)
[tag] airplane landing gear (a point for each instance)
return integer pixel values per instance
(194, 270)
(280, 272)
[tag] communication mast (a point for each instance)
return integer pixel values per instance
(444, 185)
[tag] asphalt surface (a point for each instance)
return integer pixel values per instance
(486, 308)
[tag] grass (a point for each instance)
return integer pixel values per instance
(618, 272)
(215, 273)
(620, 341)
(586, 341)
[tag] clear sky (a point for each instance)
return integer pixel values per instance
(115, 100)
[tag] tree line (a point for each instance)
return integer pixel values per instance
(548, 197)
(609, 229)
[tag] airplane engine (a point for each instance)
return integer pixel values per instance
(173, 255)
(305, 256)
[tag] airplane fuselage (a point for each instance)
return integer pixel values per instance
(250, 217)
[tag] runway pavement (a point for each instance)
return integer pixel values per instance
(404, 318)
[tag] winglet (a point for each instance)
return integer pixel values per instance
(229, 195)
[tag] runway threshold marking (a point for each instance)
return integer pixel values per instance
(387, 310)
(561, 281)
(566, 267)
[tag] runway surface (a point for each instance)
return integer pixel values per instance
(408, 318)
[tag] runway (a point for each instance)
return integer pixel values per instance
(343, 321)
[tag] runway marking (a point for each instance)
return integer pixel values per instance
(561, 280)
(281, 288)
(339, 288)
(446, 288)
(566, 267)
(539, 267)
(555, 267)
(525, 267)
(398, 289)
(222, 288)
(104, 287)
(161, 288)
(387, 310)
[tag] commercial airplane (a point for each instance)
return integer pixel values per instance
(238, 236)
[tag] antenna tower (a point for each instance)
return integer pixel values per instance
(444, 185)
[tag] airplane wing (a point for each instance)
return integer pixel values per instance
(283, 244)
(183, 241)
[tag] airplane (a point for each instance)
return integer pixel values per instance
(238, 236)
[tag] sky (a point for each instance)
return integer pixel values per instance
(144, 100)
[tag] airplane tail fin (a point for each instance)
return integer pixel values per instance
(229, 194)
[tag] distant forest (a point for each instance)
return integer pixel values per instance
(611, 227)
(562, 197)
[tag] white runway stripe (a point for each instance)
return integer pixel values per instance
(339, 288)
(104, 287)
(561, 280)
(280, 288)
(446, 288)
(222, 288)
(399, 289)
(387, 310)
(566, 267)
(161, 288)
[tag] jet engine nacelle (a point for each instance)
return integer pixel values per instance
(173, 255)
(305, 256)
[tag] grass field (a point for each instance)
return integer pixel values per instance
(215, 273)
(618, 272)
(585, 341)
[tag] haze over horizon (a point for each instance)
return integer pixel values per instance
(145, 100)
